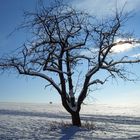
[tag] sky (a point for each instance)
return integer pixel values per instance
(15, 88)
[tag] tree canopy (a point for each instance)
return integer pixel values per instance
(68, 48)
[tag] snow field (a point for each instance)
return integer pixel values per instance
(45, 121)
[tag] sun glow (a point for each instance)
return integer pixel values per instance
(122, 47)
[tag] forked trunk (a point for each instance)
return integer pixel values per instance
(76, 121)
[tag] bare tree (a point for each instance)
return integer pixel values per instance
(68, 49)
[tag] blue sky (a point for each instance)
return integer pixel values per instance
(25, 89)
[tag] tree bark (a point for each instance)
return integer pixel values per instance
(73, 101)
(76, 121)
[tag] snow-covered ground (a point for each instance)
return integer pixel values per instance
(48, 121)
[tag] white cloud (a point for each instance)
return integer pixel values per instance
(102, 8)
(123, 47)
(116, 49)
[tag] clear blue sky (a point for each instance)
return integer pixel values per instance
(25, 89)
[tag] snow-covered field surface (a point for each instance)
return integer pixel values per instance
(51, 121)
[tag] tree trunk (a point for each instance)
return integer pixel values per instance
(76, 121)
(73, 101)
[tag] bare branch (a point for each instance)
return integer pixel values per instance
(98, 81)
(65, 40)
